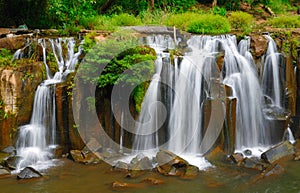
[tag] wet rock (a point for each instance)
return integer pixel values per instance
(248, 152)
(167, 157)
(153, 181)
(4, 32)
(253, 163)
(9, 149)
(258, 45)
(4, 171)
(57, 151)
(11, 162)
(191, 172)
(274, 170)
(170, 164)
(93, 145)
(123, 185)
(279, 151)
(12, 42)
(236, 158)
(28, 173)
(121, 166)
(297, 156)
(139, 166)
(84, 157)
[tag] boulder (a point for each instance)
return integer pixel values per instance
(191, 172)
(123, 185)
(121, 166)
(236, 158)
(11, 162)
(279, 151)
(153, 181)
(4, 171)
(28, 173)
(10, 149)
(273, 170)
(258, 45)
(13, 42)
(253, 163)
(84, 157)
(170, 164)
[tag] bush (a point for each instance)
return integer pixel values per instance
(285, 22)
(125, 20)
(209, 24)
(155, 17)
(240, 20)
(182, 20)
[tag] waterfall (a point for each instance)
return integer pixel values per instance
(271, 76)
(150, 117)
(36, 139)
(193, 81)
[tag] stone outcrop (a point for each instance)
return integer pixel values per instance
(28, 173)
(279, 151)
(18, 85)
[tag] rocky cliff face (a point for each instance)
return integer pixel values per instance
(18, 85)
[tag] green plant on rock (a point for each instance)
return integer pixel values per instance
(119, 60)
(240, 20)
(209, 24)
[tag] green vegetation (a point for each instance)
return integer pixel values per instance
(240, 20)
(118, 60)
(209, 24)
(285, 21)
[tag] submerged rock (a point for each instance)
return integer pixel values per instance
(4, 171)
(93, 145)
(153, 181)
(274, 170)
(28, 173)
(279, 151)
(253, 163)
(123, 185)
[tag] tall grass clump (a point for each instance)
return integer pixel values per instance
(240, 20)
(285, 21)
(182, 20)
(125, 19)
(209, 24)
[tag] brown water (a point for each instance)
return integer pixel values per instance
(77, 178)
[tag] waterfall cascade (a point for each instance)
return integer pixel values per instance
(193, 81)
(36, 139)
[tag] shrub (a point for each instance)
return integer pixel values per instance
(240, 20)
(180, 21)
(209, 24)
(219, 11)
(154, 17)
(285, 22)
(125, 19)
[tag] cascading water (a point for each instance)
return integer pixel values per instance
(241, 76)
(151, 113)
(271, 76)
(193, 81)
(37, 138)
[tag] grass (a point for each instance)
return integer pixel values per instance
(209, 24)
(240, 20)
(285, 21)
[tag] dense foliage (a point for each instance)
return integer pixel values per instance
(209, 24)
(71, 13)
(120, 60)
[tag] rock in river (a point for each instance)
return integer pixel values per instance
(28, 173)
